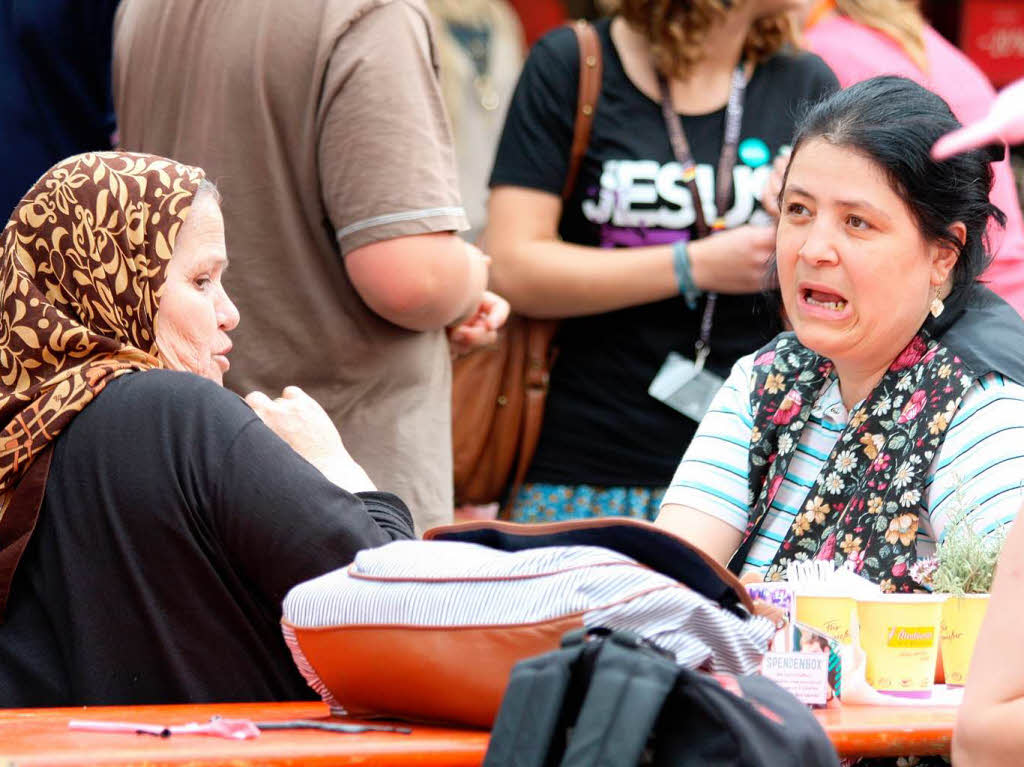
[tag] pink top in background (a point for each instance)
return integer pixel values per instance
(856, 52)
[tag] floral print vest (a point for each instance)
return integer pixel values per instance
(865, 502)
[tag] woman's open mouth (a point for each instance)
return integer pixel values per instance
(826, 300)
(822, 301)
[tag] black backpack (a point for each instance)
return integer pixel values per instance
(609, 699)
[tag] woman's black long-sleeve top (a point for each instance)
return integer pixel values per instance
(174, 522)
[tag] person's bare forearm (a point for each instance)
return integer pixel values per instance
(542, 276)
(551, 278)
(457, 302)
(718, 539)
(420, 282)
(444, 283)
(987, 728)
(989, 736)
(558, 279)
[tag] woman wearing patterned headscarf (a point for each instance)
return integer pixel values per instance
(150, 521)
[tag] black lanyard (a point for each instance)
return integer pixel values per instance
(723, 186)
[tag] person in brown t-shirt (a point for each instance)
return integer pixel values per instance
(322, 123)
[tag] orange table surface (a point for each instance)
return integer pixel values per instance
(41, 737)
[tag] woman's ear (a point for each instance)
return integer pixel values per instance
(945, 255)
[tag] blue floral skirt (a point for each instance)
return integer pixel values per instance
(541, 502)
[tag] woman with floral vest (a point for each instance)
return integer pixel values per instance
(896, 403)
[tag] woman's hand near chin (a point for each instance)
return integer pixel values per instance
(300, 421)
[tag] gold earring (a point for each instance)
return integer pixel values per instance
(936, 306)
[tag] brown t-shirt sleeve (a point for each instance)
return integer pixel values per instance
(387, 165)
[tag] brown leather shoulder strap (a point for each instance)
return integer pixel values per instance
(539, 352)
(539, 359)
(586, 104)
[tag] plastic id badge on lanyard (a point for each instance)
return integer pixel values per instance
(683, 384)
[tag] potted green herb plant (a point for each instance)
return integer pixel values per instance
(963, 567)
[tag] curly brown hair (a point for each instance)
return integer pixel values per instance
(677, 30)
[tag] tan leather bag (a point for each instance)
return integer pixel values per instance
(430, 630)
(498, 393)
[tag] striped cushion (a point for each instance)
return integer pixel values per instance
(431, 629)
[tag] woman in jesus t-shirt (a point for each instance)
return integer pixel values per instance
(620, 260)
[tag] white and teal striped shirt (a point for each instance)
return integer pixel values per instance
(979, 466)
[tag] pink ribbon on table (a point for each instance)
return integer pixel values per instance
(233, 729)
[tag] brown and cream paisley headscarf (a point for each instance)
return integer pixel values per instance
(83, 260)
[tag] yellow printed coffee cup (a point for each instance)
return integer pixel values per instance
(900, 637)
(831, 615)
(961, 622)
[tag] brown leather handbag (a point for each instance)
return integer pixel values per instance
(498, 393)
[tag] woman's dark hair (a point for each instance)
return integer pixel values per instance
(894, 122)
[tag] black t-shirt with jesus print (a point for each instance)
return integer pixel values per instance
(601, 426)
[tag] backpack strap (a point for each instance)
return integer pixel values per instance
(627, 691)
(531, 709)
(586, 102)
